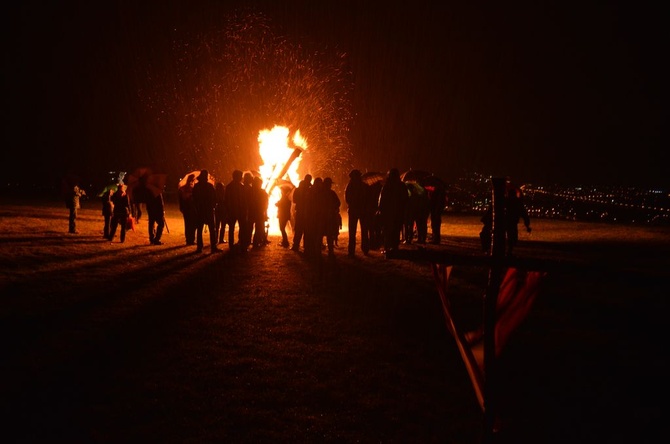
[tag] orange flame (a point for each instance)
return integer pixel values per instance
(275, 150)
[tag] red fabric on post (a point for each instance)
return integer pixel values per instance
(517, 294)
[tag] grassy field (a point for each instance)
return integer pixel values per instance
(111, 342)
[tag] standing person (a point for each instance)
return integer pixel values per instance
(416, 213)
(220, 212)
(258, 212)
(121, 202)
(314, 232)
(156, 215)
(204, 202)
(515, 211)
(372, 216)
(187, 209)
(236, 207)
(438, 199)
(392, 203)
(330, 202)
(247, 225)
(300, 196)
(355, 195)
(284, 214)
(72, 203)
(107, 210)
(487, 229)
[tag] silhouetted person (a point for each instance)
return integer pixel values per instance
(107, 211)
(313, 227)
(487, 229)
(356, 196)
(416, 213)
(515, 211)
(220, 212)
(204, 201)
(121, 212)
(392, 203)
(284, 214)
(300, 197)
(258, 212)
(438, 199)
(374, 219)
(329, 217)
(236, 208)
(72, 202)
(156, 215)
(187, 209)
(247, 225)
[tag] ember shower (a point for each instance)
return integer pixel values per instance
(220, 88)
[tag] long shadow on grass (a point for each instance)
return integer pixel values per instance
(246, 347)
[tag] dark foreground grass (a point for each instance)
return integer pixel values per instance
(110, 342)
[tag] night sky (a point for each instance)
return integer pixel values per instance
(549, 93)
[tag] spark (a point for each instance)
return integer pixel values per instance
(222, 86)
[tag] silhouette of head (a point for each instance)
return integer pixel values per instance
(354, 174)
(237, 175)
(394, 174)
(204, 175)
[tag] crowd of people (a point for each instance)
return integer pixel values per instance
(383, 214)
(386, 214)
(392, 212)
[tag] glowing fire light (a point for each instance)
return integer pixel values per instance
(281, 158)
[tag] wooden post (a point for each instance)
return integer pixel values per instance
(294, 155)
(490, 302)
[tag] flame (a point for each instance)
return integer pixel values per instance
(275, 151)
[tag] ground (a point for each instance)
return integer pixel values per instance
(111, 342)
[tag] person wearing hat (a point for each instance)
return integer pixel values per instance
(204, 201)
(355, 195)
